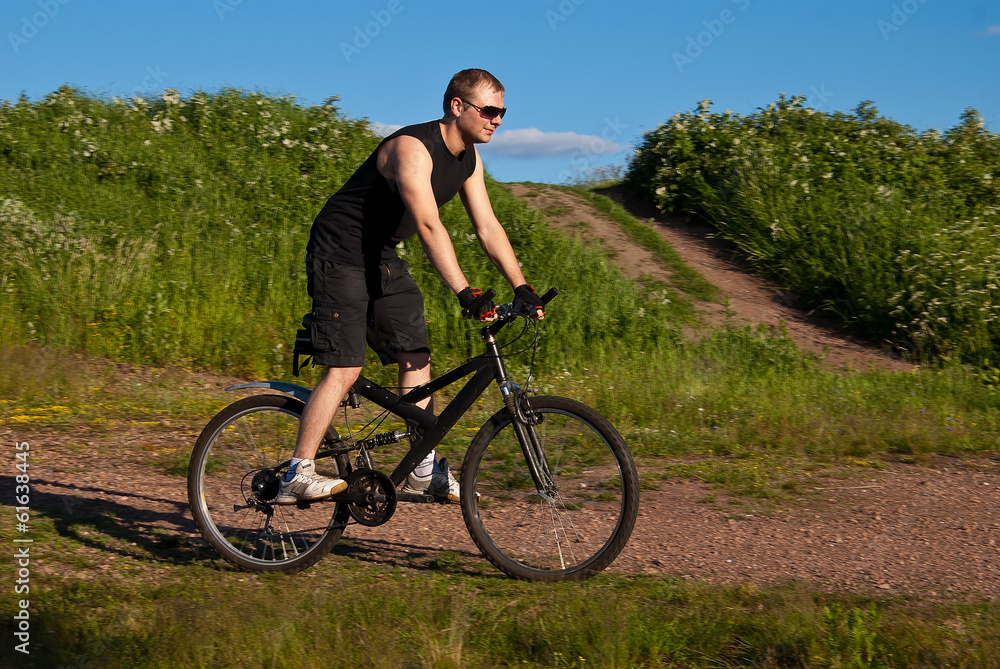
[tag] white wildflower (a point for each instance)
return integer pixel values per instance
(171, 97)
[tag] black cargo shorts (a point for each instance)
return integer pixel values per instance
(354, 305)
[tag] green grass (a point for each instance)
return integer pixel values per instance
(106, 590)
(133, 600)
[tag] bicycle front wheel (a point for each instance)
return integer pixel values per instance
(570, 525)
(232, 485)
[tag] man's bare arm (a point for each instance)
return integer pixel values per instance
(405, 160)
(490, 232)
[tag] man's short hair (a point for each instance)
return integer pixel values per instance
(465, 82)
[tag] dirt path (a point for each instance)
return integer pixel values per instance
(930, 531)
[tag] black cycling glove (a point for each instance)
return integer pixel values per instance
(527, 303)
(487, 311)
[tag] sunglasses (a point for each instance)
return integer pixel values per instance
(489, 111)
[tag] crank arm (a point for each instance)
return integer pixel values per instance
(357, 498)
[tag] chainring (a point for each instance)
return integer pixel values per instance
(374, 483)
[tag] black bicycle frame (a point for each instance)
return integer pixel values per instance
(487, 367)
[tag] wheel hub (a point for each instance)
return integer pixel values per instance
(264, 486)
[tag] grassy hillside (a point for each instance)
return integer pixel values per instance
(174, 231)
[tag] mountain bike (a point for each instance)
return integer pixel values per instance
(549, 489)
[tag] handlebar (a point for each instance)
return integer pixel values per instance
(505, 312)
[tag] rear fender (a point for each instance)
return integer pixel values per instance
(292, 389)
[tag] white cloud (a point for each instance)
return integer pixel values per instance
(993, 30)
(383, 129)
(533, 143)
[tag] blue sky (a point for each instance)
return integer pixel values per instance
(584, 78)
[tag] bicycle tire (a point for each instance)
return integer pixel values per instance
(238, 446)
(583, 526)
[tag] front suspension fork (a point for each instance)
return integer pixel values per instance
(524, 421)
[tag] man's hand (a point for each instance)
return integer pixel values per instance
(487, 311)
(527, 303)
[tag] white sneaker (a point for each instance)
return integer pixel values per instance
(440, 483)
(307, 485)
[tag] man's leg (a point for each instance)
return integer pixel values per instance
(428, 476)
(301, 483)
(415, 370)
(321, 408)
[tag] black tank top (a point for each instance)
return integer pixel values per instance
(363, 221)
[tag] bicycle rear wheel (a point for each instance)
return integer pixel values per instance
(232, 484)
(579, 522)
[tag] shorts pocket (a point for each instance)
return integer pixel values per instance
(325, 328)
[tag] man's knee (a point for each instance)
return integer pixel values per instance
(336, 381)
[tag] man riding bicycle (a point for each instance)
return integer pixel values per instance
(361, 290)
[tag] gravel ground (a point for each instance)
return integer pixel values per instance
(930, 530)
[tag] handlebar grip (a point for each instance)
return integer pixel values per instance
(547, 297)
(473, 308)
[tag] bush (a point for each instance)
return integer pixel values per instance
(892, 230)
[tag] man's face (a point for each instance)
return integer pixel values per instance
(478, 124)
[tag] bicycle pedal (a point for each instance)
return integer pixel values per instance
(303, 505)
(415, 498)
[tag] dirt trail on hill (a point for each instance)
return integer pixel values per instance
(752, 299)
